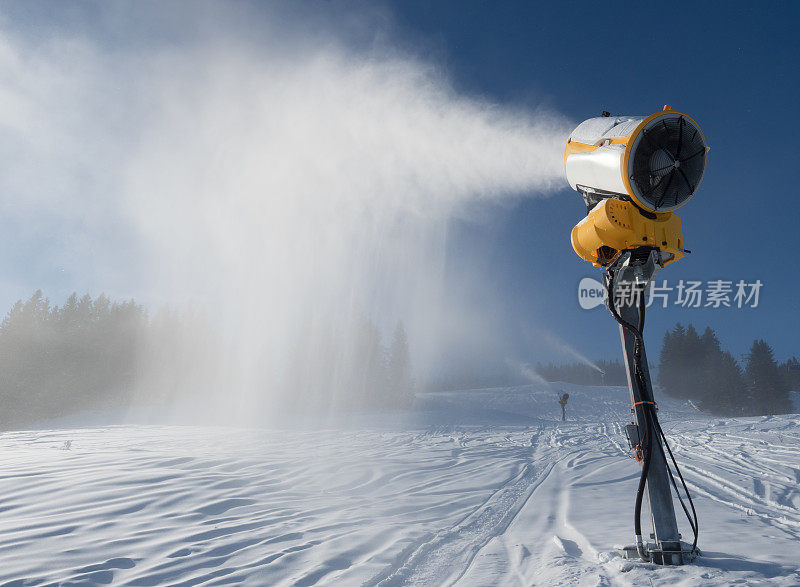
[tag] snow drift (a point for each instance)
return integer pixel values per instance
(497, 492)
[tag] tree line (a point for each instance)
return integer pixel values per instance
(602, 373)
(56, 360)
(96, 354)
(485, 374)
(349, 368)
(695, 367)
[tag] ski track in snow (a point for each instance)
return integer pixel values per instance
(481, 487)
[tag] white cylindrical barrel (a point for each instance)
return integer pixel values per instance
(598, 169)
(657, 161)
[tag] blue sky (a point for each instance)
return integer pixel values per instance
(732, 67)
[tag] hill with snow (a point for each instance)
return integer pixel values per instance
(480, 487)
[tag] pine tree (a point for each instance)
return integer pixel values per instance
(692, 359)
(706, 390)
(732, 398)
(371, 359)
(721, 387)
(767, 387)
(791, 373)
(401, 384)
(667, 364)
(680, 361)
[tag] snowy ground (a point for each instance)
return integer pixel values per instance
(477, 488)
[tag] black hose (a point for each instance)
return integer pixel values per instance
(695, 525)
(647, 447)
(637, 510)
(651, 422)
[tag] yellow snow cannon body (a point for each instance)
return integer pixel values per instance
(633, 172)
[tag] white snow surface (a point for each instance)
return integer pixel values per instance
(482, 487)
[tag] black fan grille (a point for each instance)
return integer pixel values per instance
(668, 162)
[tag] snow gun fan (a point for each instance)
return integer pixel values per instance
(633, 172)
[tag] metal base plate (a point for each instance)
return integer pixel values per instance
(661, 556)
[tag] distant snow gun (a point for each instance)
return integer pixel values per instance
(562, 400)
(633, 172)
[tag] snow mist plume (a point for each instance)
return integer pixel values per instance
(525, 371)
(290, 186)
(559, 345)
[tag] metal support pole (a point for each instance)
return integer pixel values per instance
(667, 547)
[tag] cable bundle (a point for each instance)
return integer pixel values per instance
(651, 424)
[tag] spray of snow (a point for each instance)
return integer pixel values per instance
(525, 371)
(559, 345)
(283, 179)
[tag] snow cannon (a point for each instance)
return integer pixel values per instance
(633, 172)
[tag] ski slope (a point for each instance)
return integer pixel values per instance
(471, 488)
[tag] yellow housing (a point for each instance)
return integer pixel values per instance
(619, 225)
